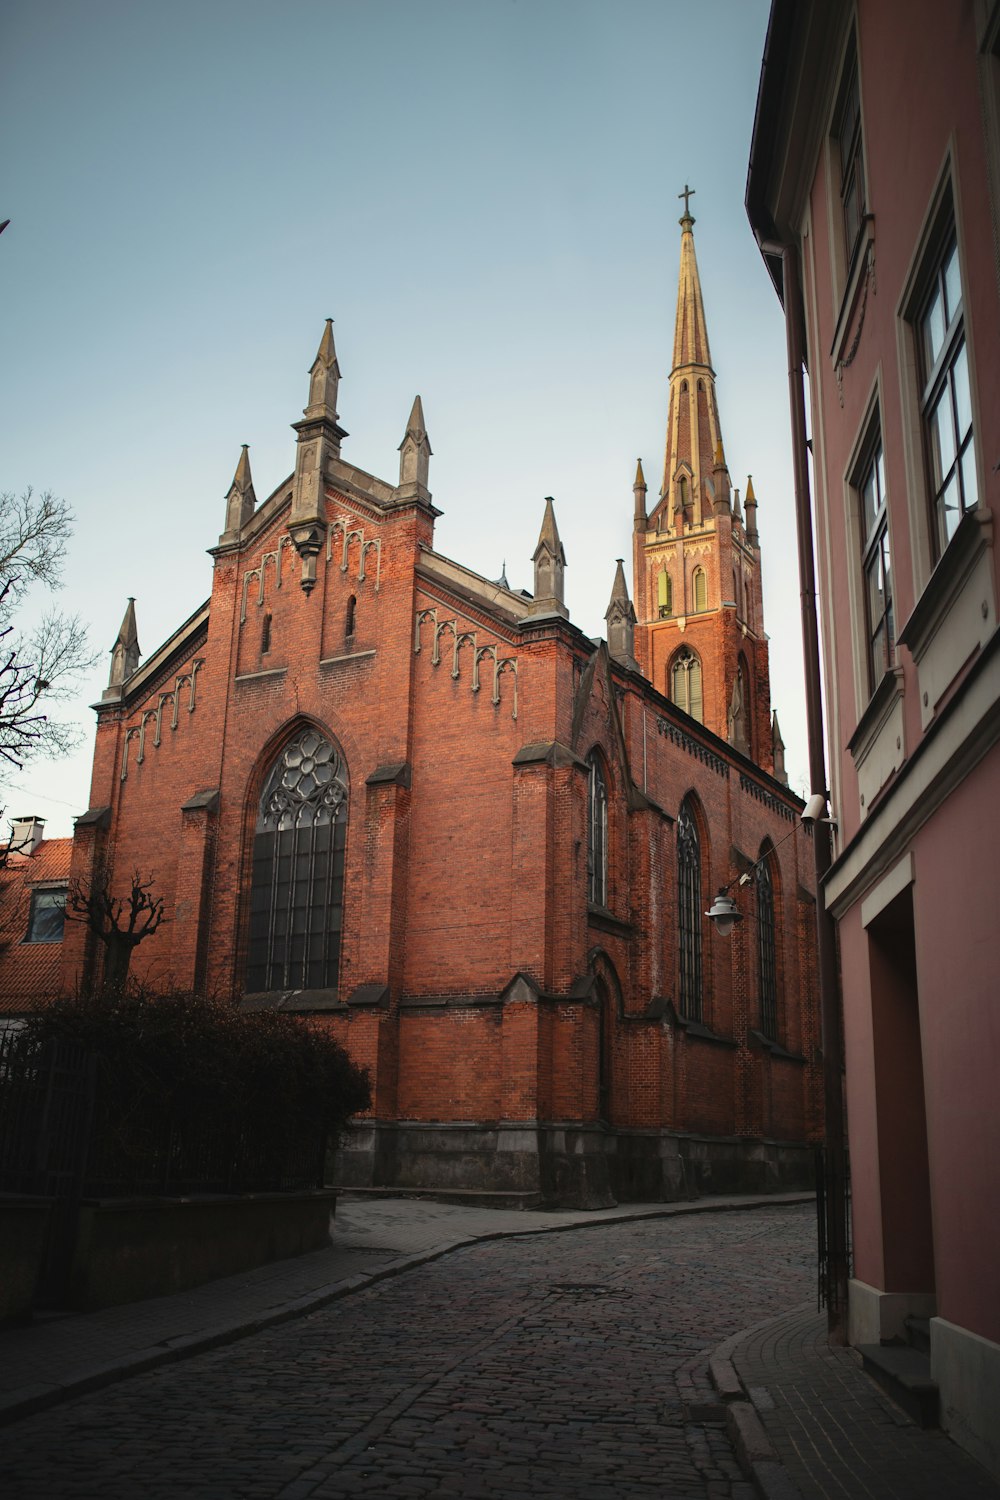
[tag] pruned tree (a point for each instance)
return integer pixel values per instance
(41, 663)
(120, 923)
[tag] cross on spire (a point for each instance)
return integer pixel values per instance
(686, 195)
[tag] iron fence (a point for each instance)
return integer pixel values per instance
(831, 1228)
(68, 1130)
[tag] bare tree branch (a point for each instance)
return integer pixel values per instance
(43, 663)
(119, 922)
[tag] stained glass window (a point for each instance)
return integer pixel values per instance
(297, 894)
(689, 914)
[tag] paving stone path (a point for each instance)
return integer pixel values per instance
(564, 1365)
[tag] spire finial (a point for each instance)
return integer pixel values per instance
(324, 378)
(750, 506)
(319, 435)
(414, 456)
(549, 559)
(241, 500)
(125, 652)
(686, 218)
(620, 616)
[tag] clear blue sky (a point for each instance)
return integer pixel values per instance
(481, 193)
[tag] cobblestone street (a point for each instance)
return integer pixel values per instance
(570, 1364)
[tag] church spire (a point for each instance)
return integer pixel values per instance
(693, 433)
(696, 564)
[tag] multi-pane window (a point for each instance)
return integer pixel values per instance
(597, 834)
(685, 682)
(46, 916)
(847, 129)
(877, 568)
(767, 969)
(947, 401)
(689, 913)
(297, 894)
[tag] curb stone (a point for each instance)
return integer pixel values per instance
(751, 1444)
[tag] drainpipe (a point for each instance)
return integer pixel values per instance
(829, 990)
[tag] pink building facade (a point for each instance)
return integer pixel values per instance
(876, 158)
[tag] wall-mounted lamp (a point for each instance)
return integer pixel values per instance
(724, 913)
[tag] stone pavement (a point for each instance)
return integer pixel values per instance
(372, 1238)
(814, 1424)
(523, 1363)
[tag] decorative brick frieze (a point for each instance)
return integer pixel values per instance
(344, 540)
(154, 716)
(678, 736)
(770, 799)
(495, 664)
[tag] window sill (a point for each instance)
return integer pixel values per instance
(768, 1044)
(872, 720)
(955, 615)
(877, 746)
(337, 661)
(695, 1029)
(259, 676)
(599, 916)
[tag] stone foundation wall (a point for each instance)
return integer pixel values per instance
(568, 1166)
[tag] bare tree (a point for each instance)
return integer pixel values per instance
(38, 665)
(121, 923)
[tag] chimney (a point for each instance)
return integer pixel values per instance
(25, 835)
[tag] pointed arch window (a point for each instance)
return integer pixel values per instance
(767, 968)
(689, 913)
(685, 683)
(700, 590)
(597, 834)
(297, 890)
(349, 617)
(664, 594)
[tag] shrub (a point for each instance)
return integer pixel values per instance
(195, 1094)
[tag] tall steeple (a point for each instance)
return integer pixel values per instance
(699, 635)
(693, 432)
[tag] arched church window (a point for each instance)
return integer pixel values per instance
(665, 594)
(297, 890)
(349, 618)
(700, 589)
(597, 834)
(767, 968)
(685, 683)
(689, 909)
(265, 635)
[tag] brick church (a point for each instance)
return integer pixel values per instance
(427, 811)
